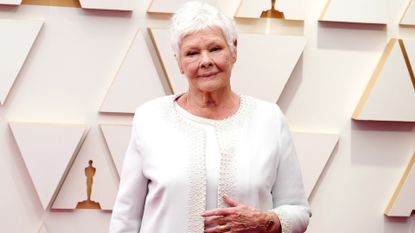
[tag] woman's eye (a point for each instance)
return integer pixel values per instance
(214, 49)
(191, 53)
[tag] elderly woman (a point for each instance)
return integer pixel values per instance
(209, 160)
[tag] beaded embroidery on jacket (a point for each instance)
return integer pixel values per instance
(228, 135)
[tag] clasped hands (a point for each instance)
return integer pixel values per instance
(240, 218)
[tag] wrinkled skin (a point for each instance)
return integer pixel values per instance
(238, 218)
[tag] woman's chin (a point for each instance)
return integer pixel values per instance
(211, 87)
(211, 84)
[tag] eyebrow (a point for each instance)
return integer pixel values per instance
(213, 43)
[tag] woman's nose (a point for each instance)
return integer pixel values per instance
(206, 60)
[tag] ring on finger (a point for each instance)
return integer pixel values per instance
(222, 227)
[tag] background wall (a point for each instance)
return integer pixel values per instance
(77, 54)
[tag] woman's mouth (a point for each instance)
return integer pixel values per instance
(208, 75)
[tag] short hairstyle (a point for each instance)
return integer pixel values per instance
(195, 16)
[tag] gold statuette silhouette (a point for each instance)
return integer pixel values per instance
(88, 203)
(272, 13)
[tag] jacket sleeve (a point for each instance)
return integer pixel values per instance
(290, 201)
(129, 204)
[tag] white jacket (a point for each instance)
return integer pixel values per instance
(163, 182)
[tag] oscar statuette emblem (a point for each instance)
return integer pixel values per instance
(272, 13)
(88, 203)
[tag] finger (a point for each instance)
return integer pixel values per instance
(218, 229)
(230, 201)
(213, 221)
(218, 212)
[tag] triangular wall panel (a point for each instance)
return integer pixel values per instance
(403, 200)
(163, 6)
(390, 94)
(410, 50)
(117, 138)
(136, 81)
(42, 229)
(313, 151)
(268, 65)
(47, 150)
(16, 40)
(105, 179)
(119, 5)
(292, 9)
(356, 11)
(60, 3)
(408, 18)
(10, 2)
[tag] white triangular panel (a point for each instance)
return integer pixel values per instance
(16, 40)
(47, 150)
(292, 9)
(168, 6)
(264, 69)
(120, 5)
(117, 138)
(403, 200)
(313, 151)
(161, 40)
(42, 229)
(392, 97)
(10, 2)
(261, 71)
(410, 50)
(136, 82)
(356, 11)
(409, 17)
(105, 180)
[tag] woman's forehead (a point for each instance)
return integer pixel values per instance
(208, 33)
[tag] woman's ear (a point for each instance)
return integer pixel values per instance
(234, 51)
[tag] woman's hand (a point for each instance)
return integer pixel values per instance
(240, 218)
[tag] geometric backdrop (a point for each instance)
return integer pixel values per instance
(48, 151)
(136, 81)
(78, 52)
(390, 94)
(409, 16)
(292, 9)
(16, 40)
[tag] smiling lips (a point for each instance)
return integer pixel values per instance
(208, 75)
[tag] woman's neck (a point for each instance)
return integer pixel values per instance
(212, 105)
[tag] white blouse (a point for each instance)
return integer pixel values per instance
(212, 154)
(177, 165)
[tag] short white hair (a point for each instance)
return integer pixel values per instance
(195, 16)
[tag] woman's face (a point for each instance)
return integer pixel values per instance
(206, 60)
